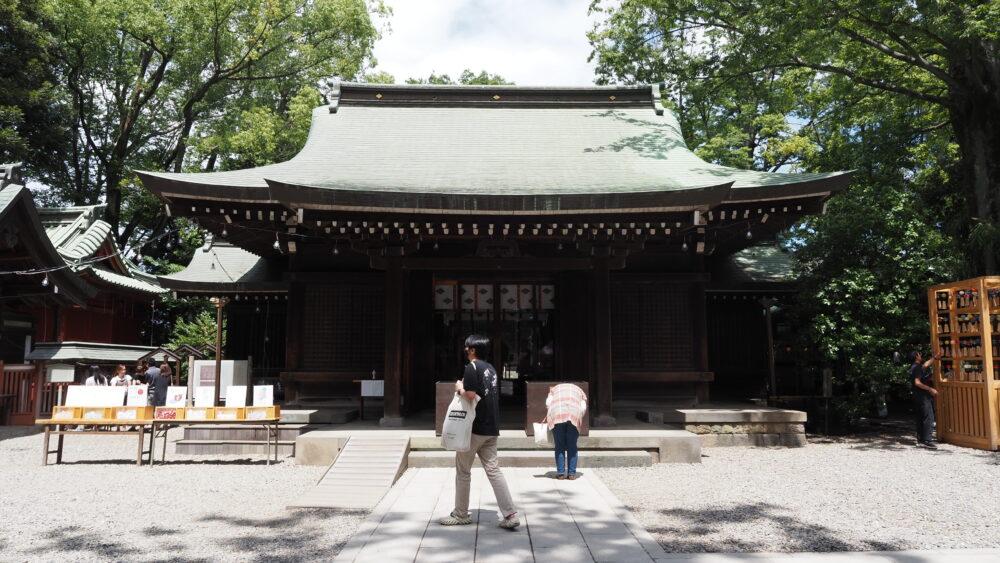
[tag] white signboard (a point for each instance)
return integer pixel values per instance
(94, 396)
(263, 395)
(176, 396)
(372, 387)
(60, 373)
(204, 396)
(234, 372)
(138, 396)
(236, 396)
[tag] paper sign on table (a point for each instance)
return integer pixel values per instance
(177, 396)
(263, 395)
(236, 396)
(138, 396)
(204, 396)
(94, 396)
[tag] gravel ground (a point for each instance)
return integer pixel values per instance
(868, 492)
(99, 505)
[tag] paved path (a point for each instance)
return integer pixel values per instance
(561, 521)
(943, 556)
(572, 521)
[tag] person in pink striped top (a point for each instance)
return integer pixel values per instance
(567, 405)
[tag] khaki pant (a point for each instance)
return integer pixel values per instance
(486, 448)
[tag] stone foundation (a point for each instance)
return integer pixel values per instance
(742, 427)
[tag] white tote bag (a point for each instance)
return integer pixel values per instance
(543, 436)
(456, 434)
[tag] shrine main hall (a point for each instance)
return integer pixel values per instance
(573, 226)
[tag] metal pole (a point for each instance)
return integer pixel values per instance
(219, 302)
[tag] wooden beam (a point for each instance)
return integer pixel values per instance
(603, 415)
(392, 416)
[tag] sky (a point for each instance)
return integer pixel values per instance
(528, 42)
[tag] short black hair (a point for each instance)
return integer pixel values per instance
(912, 356)
(479, 343)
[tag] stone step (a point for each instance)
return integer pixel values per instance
(529, 458)
(244, 432)
(228, 447)
(319, 413)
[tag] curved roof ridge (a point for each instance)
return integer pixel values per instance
(486, 150)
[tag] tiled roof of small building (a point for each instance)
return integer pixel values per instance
(218, 264)
(87, 352)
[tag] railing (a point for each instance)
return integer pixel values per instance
(17, 393)
(52, 394)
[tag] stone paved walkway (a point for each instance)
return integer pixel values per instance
(928, 556)
(561, 521)
(572, 521)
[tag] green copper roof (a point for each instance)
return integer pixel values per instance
(455, 149)
(78, 234)
(218, 265)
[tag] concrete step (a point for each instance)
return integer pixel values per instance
(244, 432)
(526, 458)
(319, 413)
(231, 447)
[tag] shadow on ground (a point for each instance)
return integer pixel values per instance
(10, 432)
(697, 533)
(896, 434)
(287, 538)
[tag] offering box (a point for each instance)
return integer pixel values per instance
(65, 413)
(96, 413)
(230, 413)
(261, 413)
(134, 413)
(199, 413)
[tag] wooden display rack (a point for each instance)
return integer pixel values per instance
(965, 329)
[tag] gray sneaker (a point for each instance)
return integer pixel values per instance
(510, 522)
(452, 520)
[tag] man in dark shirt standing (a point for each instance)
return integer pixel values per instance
(481, 379)
(921, 376)
(157, 386)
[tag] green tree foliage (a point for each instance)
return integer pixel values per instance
(941, 57)
(257, 134)
(197, 332)
(143, 77)
(467, 78)
(32, 129)
(751, 98)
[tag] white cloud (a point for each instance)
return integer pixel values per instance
(529, 42)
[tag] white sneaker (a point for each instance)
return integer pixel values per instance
(510, 522)
(452, 520)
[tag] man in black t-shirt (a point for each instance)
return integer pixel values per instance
(921, 376)
(481, 380)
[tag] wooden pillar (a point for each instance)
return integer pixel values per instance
(700, 326)
(603, 414)
(392, 416)
(219, 302)
(294, 318)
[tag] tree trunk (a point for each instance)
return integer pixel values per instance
(975, 116)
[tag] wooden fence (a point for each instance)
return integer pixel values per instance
(17, 393)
